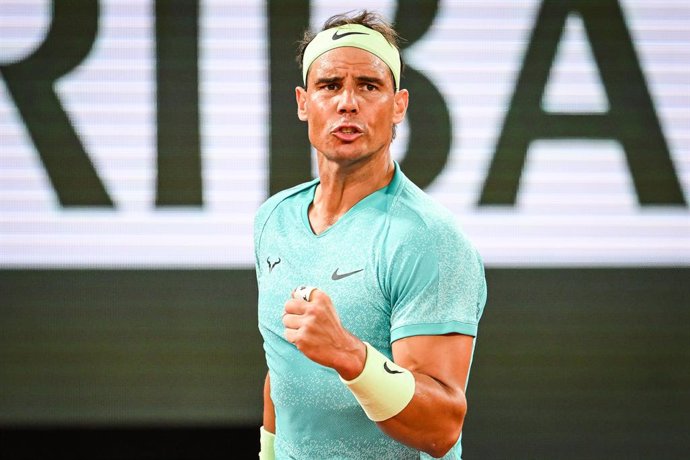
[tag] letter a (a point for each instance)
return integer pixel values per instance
(631, 118)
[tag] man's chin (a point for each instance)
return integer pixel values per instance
(346, 157)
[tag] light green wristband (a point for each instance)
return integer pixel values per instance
(267, 439)
(383, 389)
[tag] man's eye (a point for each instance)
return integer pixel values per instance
(370, 87)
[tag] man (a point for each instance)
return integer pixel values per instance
(369, 295)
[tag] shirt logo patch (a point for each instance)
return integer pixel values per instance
(271, 265)
(338, 276)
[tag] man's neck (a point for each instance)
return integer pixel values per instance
(343, 186)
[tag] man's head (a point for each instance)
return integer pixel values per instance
(366, 30)
(350, 97)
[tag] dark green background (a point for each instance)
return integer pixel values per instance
(570, 363)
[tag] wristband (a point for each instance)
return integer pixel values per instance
(267, 439)
(383, 389)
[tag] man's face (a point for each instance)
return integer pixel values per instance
(350, 105)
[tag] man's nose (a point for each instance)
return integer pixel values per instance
(348, 102)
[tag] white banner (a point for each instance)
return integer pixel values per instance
(577, 203)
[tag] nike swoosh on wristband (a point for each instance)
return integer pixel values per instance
(337, 36)
(338, 276)
(390, 371)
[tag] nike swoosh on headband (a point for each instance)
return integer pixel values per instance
(337, 36)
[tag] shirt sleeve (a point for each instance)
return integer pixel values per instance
(437, 283)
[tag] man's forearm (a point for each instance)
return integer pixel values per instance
(432, 417)
(432, 421)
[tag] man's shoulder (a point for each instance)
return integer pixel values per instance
(268, 206)
(418, 220)
(416, 210)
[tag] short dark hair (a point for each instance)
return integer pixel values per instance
(370, 19)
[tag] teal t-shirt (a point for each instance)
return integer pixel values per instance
(395, 265)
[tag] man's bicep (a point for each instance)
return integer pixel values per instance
(445, 358)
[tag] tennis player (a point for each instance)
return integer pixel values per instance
(369, 294)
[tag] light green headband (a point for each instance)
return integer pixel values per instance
(357, 36)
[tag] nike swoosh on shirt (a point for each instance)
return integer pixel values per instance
(337, 36)
(338, 276)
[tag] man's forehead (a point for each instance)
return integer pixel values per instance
(347, 59)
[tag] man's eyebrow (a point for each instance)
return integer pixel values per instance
(375, 80)
(361, 79)
(328, 80)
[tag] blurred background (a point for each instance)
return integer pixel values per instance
(137, 139)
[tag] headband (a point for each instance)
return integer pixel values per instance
(357, 36)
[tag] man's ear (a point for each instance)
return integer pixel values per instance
(402, 98)
(301, 98)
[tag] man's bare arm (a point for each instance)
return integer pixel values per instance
(433, 420)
